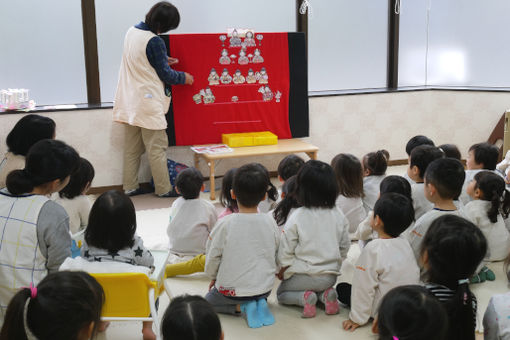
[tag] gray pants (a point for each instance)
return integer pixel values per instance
(227, 305)
(291, 291)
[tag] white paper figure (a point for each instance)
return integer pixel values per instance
(257, 58)
(235, 41)
(268, 94)
(250, 78)
(209, 97)
(214, 78)
(243, 59)
(277, 96)
(262, 76)
(249, 41)
(238, 78)
(224, 59)
(225, 77)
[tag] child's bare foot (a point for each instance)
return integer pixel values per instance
(147, 332)
(103, 325)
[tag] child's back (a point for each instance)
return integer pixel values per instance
(374, 170)
(241, 254)
(189, 229)
(315, 249)
(191, 218)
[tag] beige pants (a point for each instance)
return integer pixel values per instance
(136, 141)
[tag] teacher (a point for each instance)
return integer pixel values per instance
(143, 97)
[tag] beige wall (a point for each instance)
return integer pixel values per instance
(351, 123)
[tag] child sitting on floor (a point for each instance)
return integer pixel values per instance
(481, 156)
(384, 263)
(451, 251)
(191, 218)
(490, 204)
(314, 243)
(289, 202)
(443, 183)
(411, 144)
(374, 171)
(410, 312)
(74, 196)
(393, 183)
(226, 199)
(190, 317)
(349, 176)
(241, 252)
(110, 236)
(420, 158)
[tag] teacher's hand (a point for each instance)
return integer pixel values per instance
(172, 61)
(189, 79)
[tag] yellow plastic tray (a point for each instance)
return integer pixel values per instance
(235, 140)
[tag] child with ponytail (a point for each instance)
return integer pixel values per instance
(64, 305)
(289, 202)
(451, 250)
(490, 204)
(374, 171)
(29, 218)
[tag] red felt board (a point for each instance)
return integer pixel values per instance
(204, 123)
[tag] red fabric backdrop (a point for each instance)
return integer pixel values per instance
(204, 123)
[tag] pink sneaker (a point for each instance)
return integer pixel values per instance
(329, 297)
(309, 310)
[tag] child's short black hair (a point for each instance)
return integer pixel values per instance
(376, 162)
(112, 222)
(486, 154)
(162, 17)
(395, 211)
(28, 131)
(422, 156)
(226, 199)
(316, 185)
(251, 183)
(411, 312)
(189, 183)
(289, 166)
(79, 180)
(190, 317)
(451, 151)
(417, 141)
(396, 184)
(447, 175)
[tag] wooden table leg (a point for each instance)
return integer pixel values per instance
(211, 180)
(195, 157)
(312, 155)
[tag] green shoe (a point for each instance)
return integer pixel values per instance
(479, 278)
(489, 274)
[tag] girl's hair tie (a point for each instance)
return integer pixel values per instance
(395, 338)
(33, 290)
(463, 281)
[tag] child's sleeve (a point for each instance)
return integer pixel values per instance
(490, 323)
(214, 250)
(416, 234)
(288, 243)
(142, 256)
(344, 242)
(364, 230)
(364, 284)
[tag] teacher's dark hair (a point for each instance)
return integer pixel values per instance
(46, 161)
(28, 131)
(162, 17)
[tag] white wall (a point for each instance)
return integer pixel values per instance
(352, 123)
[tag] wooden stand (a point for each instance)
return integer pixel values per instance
(284, 146)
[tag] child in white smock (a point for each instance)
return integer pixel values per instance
(374, 171)
(314, 243)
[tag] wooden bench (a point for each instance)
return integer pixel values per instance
(284, 146)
